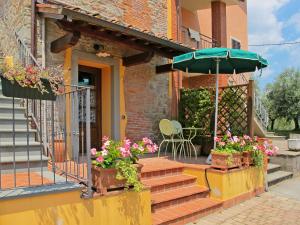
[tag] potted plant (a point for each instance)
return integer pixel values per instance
(227, 155)
(248, 146)
(262, 152)
(31, 82)
(116, 165)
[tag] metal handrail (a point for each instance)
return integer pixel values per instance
(261, 111)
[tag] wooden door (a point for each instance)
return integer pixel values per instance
(89, 76)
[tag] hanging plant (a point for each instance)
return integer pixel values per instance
(31, 81)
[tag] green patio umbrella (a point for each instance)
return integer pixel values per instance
(219, 60)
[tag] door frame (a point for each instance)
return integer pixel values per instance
(88, 59)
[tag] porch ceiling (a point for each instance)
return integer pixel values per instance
(92, 24)
(193, 5)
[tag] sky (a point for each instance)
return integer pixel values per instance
(275, 21)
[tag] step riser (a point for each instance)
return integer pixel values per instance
(8, 124)
(19, 137)
(8, 112)
(273, 170)
(276, 181)
(193, 217)
(20, 151)
(172, 186)
(9, 101)
(179, 201)
(161, 173)
(22, 166)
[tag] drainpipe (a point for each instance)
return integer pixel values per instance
(33, 28)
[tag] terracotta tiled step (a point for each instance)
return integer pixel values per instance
(153, 167)
(160, 172)
(186, 212)
(169, 182)
(177, 196)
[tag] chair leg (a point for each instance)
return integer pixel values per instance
(159, 148)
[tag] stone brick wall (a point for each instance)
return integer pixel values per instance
(146, 99)
(145, 14)
(204, 81)
(14, 17)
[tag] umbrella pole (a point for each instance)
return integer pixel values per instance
(208, 160)
(216, 101)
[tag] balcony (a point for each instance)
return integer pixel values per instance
(196, 40)
(193, 5)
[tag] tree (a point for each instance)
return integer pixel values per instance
(283, 96)
(270, 104)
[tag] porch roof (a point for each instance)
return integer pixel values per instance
(75, 19)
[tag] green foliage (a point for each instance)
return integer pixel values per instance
(258, 158)
(283, 96)
(195, 108)
(127, 170)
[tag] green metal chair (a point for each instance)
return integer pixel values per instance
(186, 139)
(168, 133)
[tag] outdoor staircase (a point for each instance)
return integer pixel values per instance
(276, 175)
(176, 198)
(24, 155)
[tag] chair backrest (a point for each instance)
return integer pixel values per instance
(166, 127)
(177, 127)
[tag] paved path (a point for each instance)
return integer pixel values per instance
(279, 206)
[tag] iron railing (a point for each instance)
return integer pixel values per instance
(203, 42)
(47, 142)
(261, 112)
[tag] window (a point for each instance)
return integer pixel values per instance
(235, 43)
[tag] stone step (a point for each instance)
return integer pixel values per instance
(186, 212)
(8, 112)
(7, 149)
(278, 176)
(273, 168)
(8, 101)
(6, 135)
(276, 138)
(174, 197)
(21, 163)
(169, 182)
(7, 123)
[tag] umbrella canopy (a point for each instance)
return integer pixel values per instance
(230, 61)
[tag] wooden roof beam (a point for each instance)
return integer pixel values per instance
(65, 42)
(138, 59)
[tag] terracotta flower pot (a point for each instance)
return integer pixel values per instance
(59, 150)
(226, 161)
(104, 180)
(247, 159)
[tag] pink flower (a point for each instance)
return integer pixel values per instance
(127, 143)
(222, 143)
(100, 159)
(243, 143)
(125, 152)
(246, 137)
(105, 145)
(217, 139)
(155, 147)
(235, 139)
(141, 148)
(147, 141)
(135, 145)
(93, 151)
(104, 152)
(105, 138)
(228, 133)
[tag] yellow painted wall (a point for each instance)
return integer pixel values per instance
(105, 93)
(123, 121)
(225, 186)
(128, 208)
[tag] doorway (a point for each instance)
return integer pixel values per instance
(91, 77)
